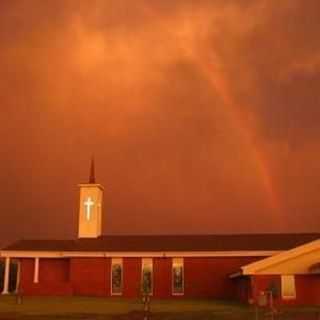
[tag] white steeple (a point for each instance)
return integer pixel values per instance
(90, 211)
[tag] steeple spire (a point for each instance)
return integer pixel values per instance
(90, 208)
(92, 177)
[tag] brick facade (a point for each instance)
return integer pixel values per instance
(203, 277)
(53, 277)
(307, 289)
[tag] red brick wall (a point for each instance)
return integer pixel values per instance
(90, 276)
(162, 281)
(26, 273)
(204, 277)
(263, 283)
(131, 277)
(314, 286)
(53, 270)
(243, 289)
(307, 288)
(53, 277)
(209, 277)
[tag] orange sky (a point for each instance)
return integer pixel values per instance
(203, 115)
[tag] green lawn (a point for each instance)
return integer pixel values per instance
(123, 309)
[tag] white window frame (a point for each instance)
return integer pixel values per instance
(115, 261)
(147, 262)
(288, 280)
(178, 262)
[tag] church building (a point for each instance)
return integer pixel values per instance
(233, 266)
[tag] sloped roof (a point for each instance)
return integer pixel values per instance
(298, 260)
(148, 243)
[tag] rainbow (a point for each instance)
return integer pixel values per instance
(233, 112)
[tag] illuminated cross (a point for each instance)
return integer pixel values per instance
(88, 204)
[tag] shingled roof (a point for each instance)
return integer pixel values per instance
(156, 243)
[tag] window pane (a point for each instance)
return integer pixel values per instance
(177, 276)
(288, 288)
(147, 276)
(116, 277)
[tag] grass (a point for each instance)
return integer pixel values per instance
(118, 308)
(71, 305)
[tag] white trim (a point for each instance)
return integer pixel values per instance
(31, 254)
(260, 265)
(91, 185)
(235, 275)
(6, 276)
(36, 270)
(18, 277)
(138, 254)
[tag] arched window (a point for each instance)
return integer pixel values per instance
(147, 276)
(116, 276)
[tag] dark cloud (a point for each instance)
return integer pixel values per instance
(282, 56)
